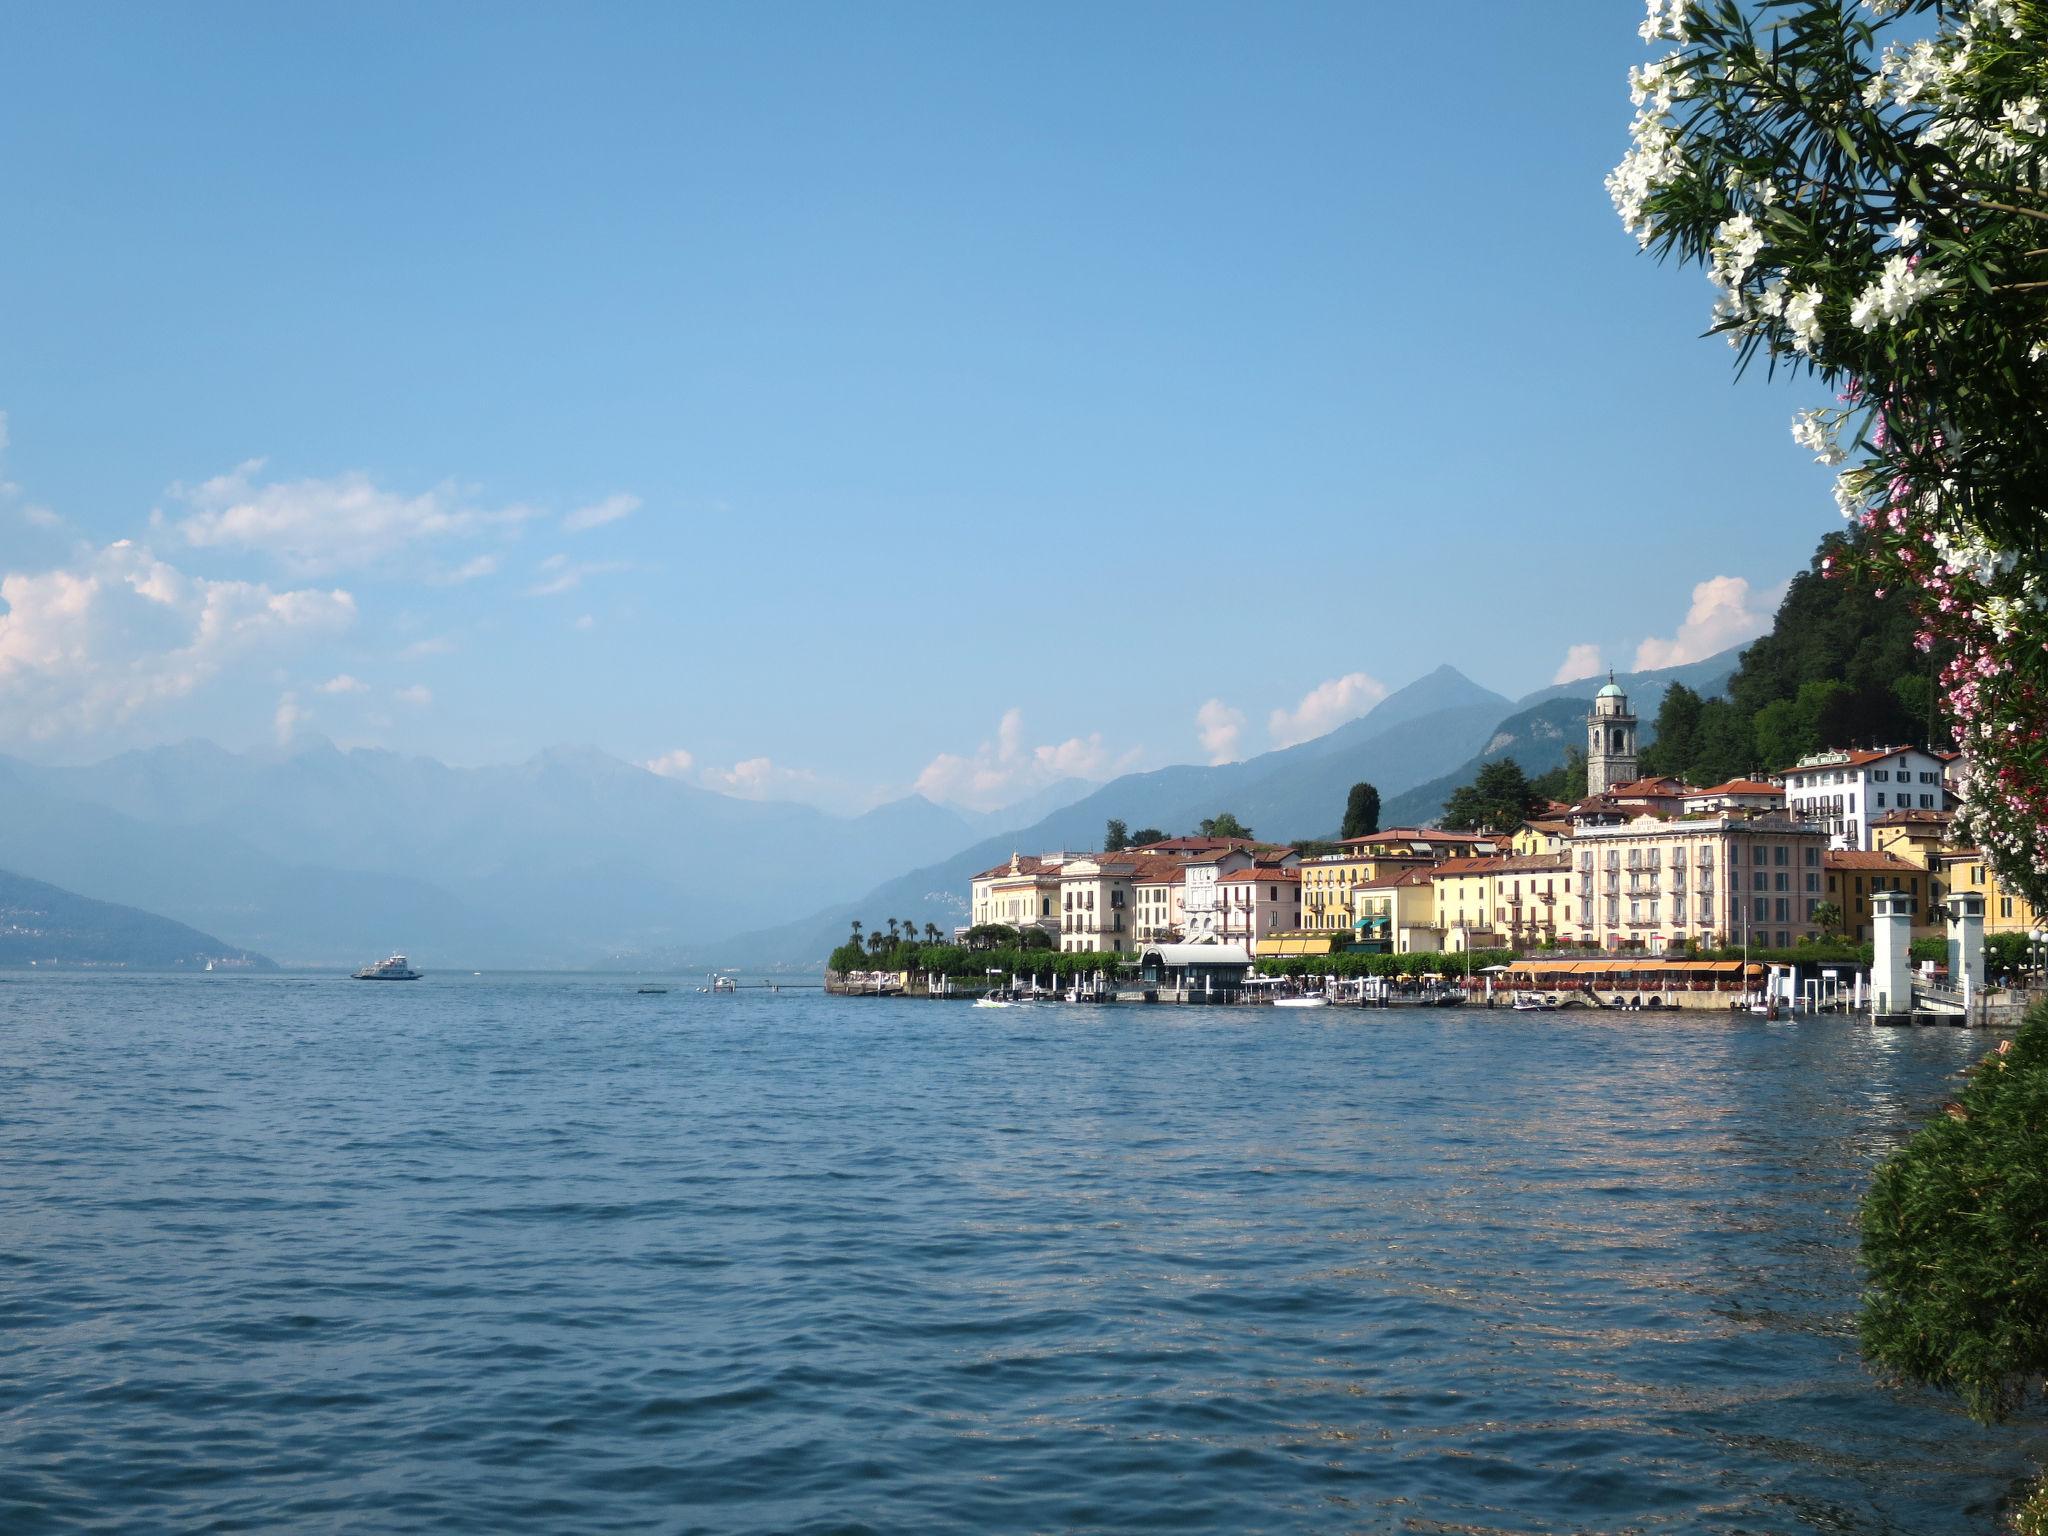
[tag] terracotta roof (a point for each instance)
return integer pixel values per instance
(1418, 835)
(1417, 876)
(1505, 864)
(1027, 864)
(1261, 877)
(1914, 818)
(1742, 787)
(1661, 784)
(1856, 858)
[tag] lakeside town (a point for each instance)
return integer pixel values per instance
(1847, 847)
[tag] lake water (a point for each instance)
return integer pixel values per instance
(538, 1254)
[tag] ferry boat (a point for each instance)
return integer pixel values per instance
(724, 984)
(393, 969)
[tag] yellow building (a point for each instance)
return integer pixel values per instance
(1547, 836)
(1509, 901)
(1853, 877)
(2004, 911)
(1395, 913)
(1328, 880)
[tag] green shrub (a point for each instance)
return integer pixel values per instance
(1955, 1238)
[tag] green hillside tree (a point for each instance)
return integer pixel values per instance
(1361, 811)
(1677, 746)
(1498, 800)
(1566, 782)
(1115, 837)
(1144, 837)
(1223, 824)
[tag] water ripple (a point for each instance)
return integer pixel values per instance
(529, 1254)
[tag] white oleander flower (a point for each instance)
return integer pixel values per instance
(1737, 244)
(1815, 431)
(1802, 315)
(1899, 287)
(1907, 232)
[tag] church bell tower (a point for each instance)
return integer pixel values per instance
(1610, 740)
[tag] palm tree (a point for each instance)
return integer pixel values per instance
(877, 942)
(931, 933)
(856, 930)
(910, 927)
(892, 930)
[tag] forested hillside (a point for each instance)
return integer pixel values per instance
(1839, 668)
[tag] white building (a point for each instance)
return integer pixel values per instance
(1846, 791)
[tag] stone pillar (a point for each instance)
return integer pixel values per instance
(1891, 969)
(1966, 940)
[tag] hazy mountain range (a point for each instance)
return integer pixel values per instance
(321, 856)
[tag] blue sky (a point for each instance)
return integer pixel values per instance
(822, 400)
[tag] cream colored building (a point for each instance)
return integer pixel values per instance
(1509, 901)
(1712, 880)
(1160, 895)
(1117, 903)
(1025, 891)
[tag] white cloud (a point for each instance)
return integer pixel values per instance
(285, 722)
(672, 765)
(433, 645)
(471, 570)
(419, 695)
(610, 510)
(586, 621)
(1219, 726)
(1580, 661)
(344, 684)
(1724, 612)
(327, 525)
(121, 631)
(1000, 772)
(758, 778)
(41, 517)
(1325, 707)
(566, 576)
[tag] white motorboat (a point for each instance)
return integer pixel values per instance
(1534, 1002)
(1301, 1002)
(393, 969)
(993, 1002)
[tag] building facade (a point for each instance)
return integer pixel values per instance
(1846, 792)
(1255, 902)
(1506, 901)
(1855, 876)
(1022, 893)
(1712, 881)
(2005, 911)
(1395, 913)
